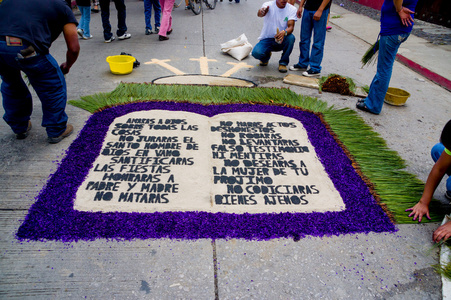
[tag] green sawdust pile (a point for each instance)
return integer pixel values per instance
(397, 189)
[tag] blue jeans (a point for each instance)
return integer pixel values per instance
(47, 79)
(148, 12)
(388, 48)
(85, 19)
(262, 51)
(436, 151)
(308, 25)
(121, 15)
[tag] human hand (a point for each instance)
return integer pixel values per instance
(406, 18)
(299, 12)
(280, 36)
(263, 11)
(317, 15)
(418, 211)
(443, 232)
(64, 68)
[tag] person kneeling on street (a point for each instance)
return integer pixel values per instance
(441, 154)
(277, 32)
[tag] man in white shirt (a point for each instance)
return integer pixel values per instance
(276, 35)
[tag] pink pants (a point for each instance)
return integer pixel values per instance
(166, 19)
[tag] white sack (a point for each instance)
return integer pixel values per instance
(238, 48)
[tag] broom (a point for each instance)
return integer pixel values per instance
(369, 55)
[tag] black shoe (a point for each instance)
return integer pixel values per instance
(163, 38)
(169, 32)
(362, 106)
(311, 73)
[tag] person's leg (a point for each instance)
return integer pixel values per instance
(319, 38)
(166, 19)
(164, 22)
(436, 152)
(17, 101)
(88, 21)
(262, 51)
(148, 13)
(328, 27)
(121, 16)
(287, 47)
(86, 17)
(105, 14)
(306, 34)
(388, 47)
(157, 13)
(48, 81)
(81, 23)
(170, 6)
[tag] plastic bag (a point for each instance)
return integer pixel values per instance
(238, 48)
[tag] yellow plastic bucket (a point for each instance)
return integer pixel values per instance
(121, 64)
(396, 96)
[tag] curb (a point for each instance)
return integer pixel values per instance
(434, 77)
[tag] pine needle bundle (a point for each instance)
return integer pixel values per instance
(370, 54)
(443, 269)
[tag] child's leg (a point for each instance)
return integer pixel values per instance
(436, 151)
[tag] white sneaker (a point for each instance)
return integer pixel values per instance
(110, 40)
(80, 32)
(296, 67)
(85, 37)
(124, 36)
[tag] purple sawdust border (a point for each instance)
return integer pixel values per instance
(53, 217)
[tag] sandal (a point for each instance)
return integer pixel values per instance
(361, 105)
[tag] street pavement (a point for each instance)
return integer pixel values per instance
(358, 266)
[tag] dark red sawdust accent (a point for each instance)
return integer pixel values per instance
(337, 84)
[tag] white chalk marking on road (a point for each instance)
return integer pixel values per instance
(165, 65)
(236, 67)
(203, 61)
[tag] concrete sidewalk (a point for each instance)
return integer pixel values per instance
(358, 266)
